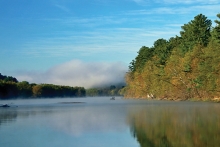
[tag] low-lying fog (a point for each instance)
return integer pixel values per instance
(79, 73)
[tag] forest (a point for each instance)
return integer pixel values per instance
(11, 88)
(105, 91)
(180, 68)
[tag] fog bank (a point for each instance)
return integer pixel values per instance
(79, 73)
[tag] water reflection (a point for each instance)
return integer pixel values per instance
(96, 125)
(7, 116)
(10, 115)
(176, 125)
(107, 123)
(79, 121)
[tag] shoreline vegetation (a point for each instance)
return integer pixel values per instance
(11, 88)
(185, 67)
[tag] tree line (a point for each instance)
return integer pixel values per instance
(107, 91)
(11, 88)
(183, 67)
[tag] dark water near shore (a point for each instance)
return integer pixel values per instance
(101, 122)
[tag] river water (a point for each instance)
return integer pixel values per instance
(101, 122)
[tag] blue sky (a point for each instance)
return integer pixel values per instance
(39, 36)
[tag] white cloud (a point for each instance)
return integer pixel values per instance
(187, 2)
(211, 10)
(190, 1)
(78, 73)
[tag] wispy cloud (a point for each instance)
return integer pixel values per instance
(79, 73)
(62, 7)
(115, 37)
(186, 2)
(189, 1)
(92, 22)
(141, 2)
(206, 9)
(101, 41)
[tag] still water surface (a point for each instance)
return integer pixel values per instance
(101, 122)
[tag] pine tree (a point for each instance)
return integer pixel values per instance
(197, 31)
(216, 30)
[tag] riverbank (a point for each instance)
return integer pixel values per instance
(216, 100)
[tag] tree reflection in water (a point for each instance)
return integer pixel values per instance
(194, 125)
(7, 116)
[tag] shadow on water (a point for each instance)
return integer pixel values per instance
(176, 125)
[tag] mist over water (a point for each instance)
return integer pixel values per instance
(101, 122)
(79, 73)
(98, 122)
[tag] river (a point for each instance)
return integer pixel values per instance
(101, 122)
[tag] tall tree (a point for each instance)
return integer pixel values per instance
(197, 31)
(161, 51)
(144, 54)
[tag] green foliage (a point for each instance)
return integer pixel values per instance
(180, 68)
(25, 89)
(8, 78)
(216, 30)
(92, 92)
(197, 31)
(143, 56)
(8, 90)
(50, 90)
(174, 42)
(111, 91)
(161, 51)
(11, 89)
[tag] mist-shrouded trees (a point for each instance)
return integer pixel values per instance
(11, 88)
(182, 67)
(50, 90)
(24, 89)
(14, 89)
(8, 78)
(105, 91)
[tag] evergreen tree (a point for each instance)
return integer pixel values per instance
(144, 54)
(161, 51)
(216, 30)
(197, 31)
